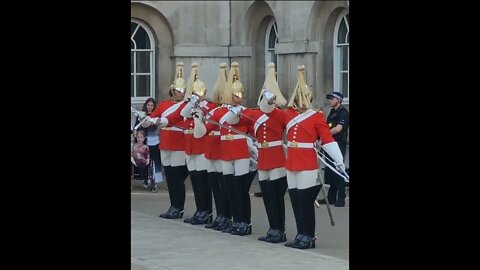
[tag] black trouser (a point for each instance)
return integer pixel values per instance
(219, 194)
(176, 185)
(337, 183)
(201, 190)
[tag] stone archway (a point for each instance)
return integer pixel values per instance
(257, 18)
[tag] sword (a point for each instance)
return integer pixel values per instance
(326, 199)
(141, 115)
(342, 174)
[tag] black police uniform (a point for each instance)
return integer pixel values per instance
(339, 116)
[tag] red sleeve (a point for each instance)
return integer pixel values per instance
(323, 131)
(215, 117)
(247, 120)
(157, 112)
(252, 115)
(211, 106)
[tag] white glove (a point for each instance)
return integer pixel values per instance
(198, 113)
(151, 120)
(318, 144)
(333, 151)
(146, 124)
(237, 110)
(231, 117)
(269, 97)
(265, 106)
(252, 148)
(194, 100)
(161, 122)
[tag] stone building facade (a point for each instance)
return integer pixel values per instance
(252, 33)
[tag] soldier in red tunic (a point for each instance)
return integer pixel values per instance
(214, 164)
(304, 127)
(172, 146)
(271, 159)
(195, 149)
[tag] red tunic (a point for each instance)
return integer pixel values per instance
(213, 149)
(171, 139)
(268, 129)
(195, 146)
(232, 149)
(307, 130)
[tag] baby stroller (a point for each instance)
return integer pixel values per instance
(145, 174)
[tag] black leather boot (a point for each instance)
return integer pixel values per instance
(203, 218)
(242, 229)
(181, 174)
(296, 240)
(307, 197)
(277, 236)
(247, 180)
(232, 227)
(171, 195)
(305, 242)
(223, 224)
(190, 219)
(206, 191)
(297, 212)
(174, 214)
(279, 186)
(238, 203)
(215, 222)
(196, 195)
(168, 211)
(215, 187)
(264, 186)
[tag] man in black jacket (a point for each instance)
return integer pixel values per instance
(338, 121)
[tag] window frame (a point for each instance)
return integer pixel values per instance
(140, 99)
(337, 54)
(268, 50)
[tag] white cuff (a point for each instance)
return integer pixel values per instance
(163, 122)
(334, 151)
(199, 129)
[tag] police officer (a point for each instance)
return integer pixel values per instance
(338, 121)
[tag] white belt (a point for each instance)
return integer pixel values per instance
(232, 137)
(300, 145)
(269, 144)
(214, 133)
(188, 131)
(172, 129)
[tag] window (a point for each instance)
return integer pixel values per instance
(141, 62)
(341, 56)
(271, 39)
